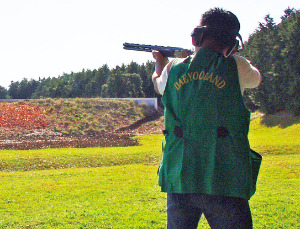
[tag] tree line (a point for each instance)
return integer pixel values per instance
(273, 48)
(130, 81)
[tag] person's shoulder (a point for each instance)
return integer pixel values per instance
(241, 60)
(249, 76)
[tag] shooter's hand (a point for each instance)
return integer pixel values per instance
(159, 57)
(161, 61)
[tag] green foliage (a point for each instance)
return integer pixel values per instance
(3, 93)
(23, 89)
(132, 81)
(275, 51)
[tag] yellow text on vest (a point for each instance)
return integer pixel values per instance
(192, 76)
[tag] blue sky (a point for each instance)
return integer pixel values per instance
(41, 38)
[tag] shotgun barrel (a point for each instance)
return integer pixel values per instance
(166, 51)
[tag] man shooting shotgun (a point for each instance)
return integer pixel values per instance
(166, 51)
(207, 166)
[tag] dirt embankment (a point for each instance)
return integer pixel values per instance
(75, 123)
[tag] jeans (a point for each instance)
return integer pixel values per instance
(184, 211)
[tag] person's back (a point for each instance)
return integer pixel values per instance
(204, 116)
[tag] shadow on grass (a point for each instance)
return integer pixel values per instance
(156, 114)
(282, 120)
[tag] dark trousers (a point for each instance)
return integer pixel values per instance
(184, 211)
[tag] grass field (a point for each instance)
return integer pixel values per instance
(117, 187)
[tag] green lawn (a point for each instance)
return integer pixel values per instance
(117, 187)
(105, 197)
(149, 151)
(274, 140)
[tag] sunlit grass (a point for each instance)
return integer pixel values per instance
(274, 139)
(105, 197)
(276, 203)
(117, 187)
(24, 160)
(128, 197)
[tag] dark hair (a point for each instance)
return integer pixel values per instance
(222, 26)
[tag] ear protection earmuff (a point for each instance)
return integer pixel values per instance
(197, 35)
(235, 47)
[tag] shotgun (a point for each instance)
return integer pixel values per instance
(166, 51)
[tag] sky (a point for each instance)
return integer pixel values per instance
(47, 38)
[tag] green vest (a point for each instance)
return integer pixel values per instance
(206, 148)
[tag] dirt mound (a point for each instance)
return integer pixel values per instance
(25, 125)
